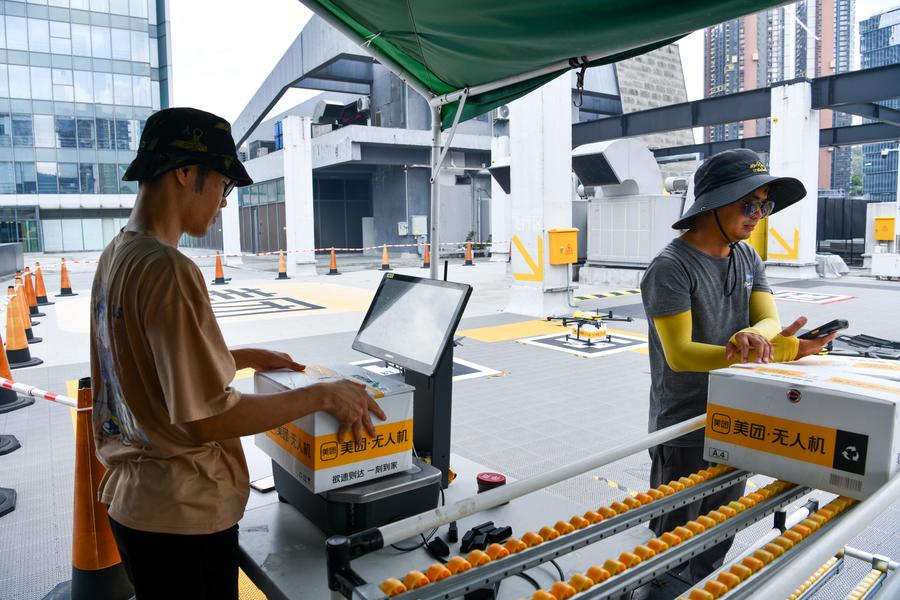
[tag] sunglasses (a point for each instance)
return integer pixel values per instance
(229, 185)
(763, 207)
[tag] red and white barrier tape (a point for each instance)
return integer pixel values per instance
(34, 392)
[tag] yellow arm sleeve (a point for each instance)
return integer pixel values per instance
(764, 316)
(684, 354)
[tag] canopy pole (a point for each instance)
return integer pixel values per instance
(434, 238)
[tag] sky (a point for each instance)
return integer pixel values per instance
(222, 50)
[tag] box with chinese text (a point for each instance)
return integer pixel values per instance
(831, 423)
(308, 447)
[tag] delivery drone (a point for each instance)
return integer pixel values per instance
(588, 327)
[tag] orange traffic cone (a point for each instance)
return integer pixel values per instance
(469, 262)
(17, 352)
(426, 260)
(40, 291)
(30, 295)
(332, 269)
(20, 302)
(220, 272)
(282, 266)
(9, 400)
(97, 569)
(65, 285)
(385, 262)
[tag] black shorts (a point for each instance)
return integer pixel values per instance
(171, 566)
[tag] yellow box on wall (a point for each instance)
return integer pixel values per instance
(563, 246)
(884, 229)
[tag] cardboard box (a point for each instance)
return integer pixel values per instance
(308, 447)
(831, 423)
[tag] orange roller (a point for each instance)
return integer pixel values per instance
(437, 572)
(753, 563)
(774, 549)
(685, 481)
(794, 535)
(701, 595)
(629, 559)
(515, 545)
(783, 541)
(619, 507)
(458, 564)
(811, 523)
(670, 538)
(597, 574)
(580, 582)
(696, 478)
(644, 498)
(655, 494)
(676, 485)
(666, 489)
(532, 539)
(695, 527)
(764, 556)
(683, 532)
(579, 522)
(716, 588)
(562, 590)
(614, 566)
(607, 512)
(644, 552)
(415, 579)
(631, 502)
(657, 545)
(756, 497)
(542, 595)
(741, 571)
(563, 528)
(392, 587)
(727, 511)
(747, 502)
(729, 579)
(707, 522)
(737, 506)
(496, 551)
(548, 533)
(593, 516)
(477, 558)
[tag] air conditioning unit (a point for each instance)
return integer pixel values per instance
(363, 104)
(502, 113)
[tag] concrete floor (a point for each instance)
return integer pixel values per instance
(544, 409)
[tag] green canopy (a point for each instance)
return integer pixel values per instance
(503, 50)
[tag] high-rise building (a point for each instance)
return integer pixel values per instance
(78, 79)
(879, 45)
(807, 39)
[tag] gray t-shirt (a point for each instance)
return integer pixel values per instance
(681, 278)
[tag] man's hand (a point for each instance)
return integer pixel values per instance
(264, 360)
(349, 403)
(744, 342)
(807, 347)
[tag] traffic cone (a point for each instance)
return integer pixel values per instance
(469, 262)
(220, 272)
(10, 400)
(65, 286)
(332, 269)
(426, 260)
(282, 266)
(40, 291)
(17, 352)
(97, 569)
(385, 263)
(31, 296)
(27, 323)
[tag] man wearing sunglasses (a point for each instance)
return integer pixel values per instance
(709, 305)
(167, 423)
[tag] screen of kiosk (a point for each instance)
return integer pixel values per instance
(410, 321)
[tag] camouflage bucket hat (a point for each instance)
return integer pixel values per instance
(181, 137)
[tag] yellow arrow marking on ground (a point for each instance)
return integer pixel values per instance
(792, 252)
(537, 269)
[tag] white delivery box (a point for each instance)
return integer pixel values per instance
(830, 423)
(308, 447)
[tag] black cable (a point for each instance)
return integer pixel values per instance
(530, 580)
(421, 544)
(562, 577)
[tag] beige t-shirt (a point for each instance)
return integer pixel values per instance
(158, 360)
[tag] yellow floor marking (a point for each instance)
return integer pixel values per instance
(512, 331)
(246, 589)
(642, 350)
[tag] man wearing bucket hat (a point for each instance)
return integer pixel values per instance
(709, 305)
(167, 423)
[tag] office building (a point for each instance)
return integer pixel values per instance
(879, 45)
(78, 79)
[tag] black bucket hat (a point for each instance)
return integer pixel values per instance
(181, 137)
(729, 176)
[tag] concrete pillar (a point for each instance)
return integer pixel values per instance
(231, 230)
(540, 136)
(794, 152)
(298, 196)
(500, 205)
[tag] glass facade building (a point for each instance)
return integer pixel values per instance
(879, 45)
(78, 79)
